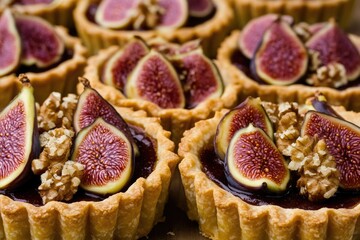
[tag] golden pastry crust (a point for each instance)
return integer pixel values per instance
(174, 120)
(62, 78)
(306, 11)
(221, 215)
(293, 93)
(212, 32)
(58, 13)
(124, 215)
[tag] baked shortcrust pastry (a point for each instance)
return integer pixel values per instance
(176, 83)
(57, 12)
(100, 176)
(311, 11)
(49, 55)
(274, 171)
(278, 61)
(100, 25)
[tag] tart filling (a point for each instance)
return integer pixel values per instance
(318, 191)
(139, 76)
(119, 165)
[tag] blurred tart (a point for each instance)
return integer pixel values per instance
(311, 11)
(100, 25)
(278, 61)
(82, 178)
(53, 65)
(292, 178)
(176, 83)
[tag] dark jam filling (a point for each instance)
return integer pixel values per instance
(213, 167)
(144, 165)
(191, 22)
(67, 55)
(244, 65)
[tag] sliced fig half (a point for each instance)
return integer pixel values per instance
(253, 32)
(154, 79)
(281, 58)
(334, 45)
(107, 156)
(202, 79)
(342, 139)
(121, 64)
(10, 45)
(19, 137)
(253, 161)
(248, 112)
(41, 45)
(116, 14)
(175, 13)
(200, 8)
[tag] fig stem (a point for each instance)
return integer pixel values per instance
(85, 82)
(24, 79)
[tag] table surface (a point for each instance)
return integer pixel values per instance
(176, 225)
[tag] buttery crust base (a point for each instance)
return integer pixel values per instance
(212, 32)
(221, 215)
(124, 215)
(62, 78)
(302, 11)
(58, 13)
(174, 120)
(293, 93)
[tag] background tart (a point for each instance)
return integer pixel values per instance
(212, 32)
(308, 11)
(222, 215)
(175, 120)
(59, 12)
(274, 93)
(127, 215)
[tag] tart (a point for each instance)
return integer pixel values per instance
(300, 85)
(193, 90)
(211, 29)
(302, 11)
(57, 12)
(226, 208)
(58, 208)
(55, 70)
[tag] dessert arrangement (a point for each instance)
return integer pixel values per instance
(75, 162)
(264, 170)
(48, 54)
(273, 58)
(247, 112)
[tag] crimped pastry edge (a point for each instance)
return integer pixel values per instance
(293, 93)
(174, 120)
(221, 215)
(212, 32)
(306, 11)
(124, 215)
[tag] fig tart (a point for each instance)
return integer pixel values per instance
(277, 60)
(81, 170)
(48, 54)
(311, 11)
(176, 83)
(57, 12)
(274, 171)
(102, 23)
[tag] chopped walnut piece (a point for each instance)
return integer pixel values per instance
(288, 127)
(315, 61)
(332, 75)
(61, 181)
(319, 178)
(56, 146)
(303, 31)
(147, 14)
(56, 112)
(272, 110)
